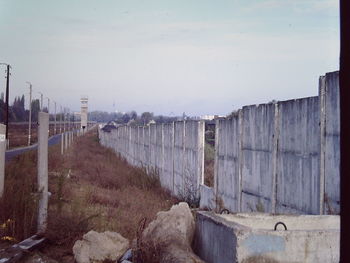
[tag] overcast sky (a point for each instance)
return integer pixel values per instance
(168, 56)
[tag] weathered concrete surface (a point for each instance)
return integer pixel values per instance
(43, 135)
(97, 247)
(171, 233)
(332, 144)
(226, 183)
(168, 161)
(179, 148)
(298, 164)
(268, 157)
(207, 197)
(251, 238)
(174, 151)
(257, 157)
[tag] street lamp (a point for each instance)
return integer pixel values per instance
(30, 111)
(41, 101)
(48, 106)
(48, 111)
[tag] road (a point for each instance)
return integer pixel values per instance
(14, 152)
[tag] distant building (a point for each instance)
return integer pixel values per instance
(109, 126)
(151, 122)
(208, 117)
(84, 112)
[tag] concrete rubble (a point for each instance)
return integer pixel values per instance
(97, 247)
(171, 234)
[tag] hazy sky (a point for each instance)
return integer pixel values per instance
(168, 56)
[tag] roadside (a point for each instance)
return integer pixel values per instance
(94, 189)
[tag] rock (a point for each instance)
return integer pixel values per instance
(127, 255)
(169, 236)
(97, 247)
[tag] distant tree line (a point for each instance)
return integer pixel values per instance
(130, 117)
(17, 111)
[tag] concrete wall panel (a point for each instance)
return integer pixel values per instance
(168, 165)
(257, 151)
(332, 144)
(227, 186)
(298, 155)
(179, 167)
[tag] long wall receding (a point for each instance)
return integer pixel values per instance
(174, 151)
(278, 157)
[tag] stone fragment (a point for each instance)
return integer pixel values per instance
(97, 247)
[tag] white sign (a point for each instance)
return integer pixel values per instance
(2, 137)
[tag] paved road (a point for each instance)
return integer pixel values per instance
(14, 152)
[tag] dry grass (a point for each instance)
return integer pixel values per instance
(104, 192)
(209, 155)
(18, 207)
(18, 204)
(18, 133)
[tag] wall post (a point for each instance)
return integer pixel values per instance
(274, 159)
(322, 99)
(43, 169)
(240, 158)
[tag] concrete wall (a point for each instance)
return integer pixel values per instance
(277, 157)
(257, 157)
(281, 157)
(226, 178)
(331, 147)
(175, 152)
(298, 165)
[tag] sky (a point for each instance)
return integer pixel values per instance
(168, 56)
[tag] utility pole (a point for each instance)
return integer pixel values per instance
(7, 101)
(64, 119)
(61, 113)
(30, 112)
(54, 127)
(48, 111)
(7, 98)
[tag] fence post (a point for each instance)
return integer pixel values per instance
(62, 143)
(2, 157)
(201, 143)
(65, 141)
(173, 155)
(216, 163)
(322, 100)
(161, 171)
(183, 158)
(274, 159)
(43, 118)
(240, 158)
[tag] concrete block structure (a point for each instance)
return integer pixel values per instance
(260, 237)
